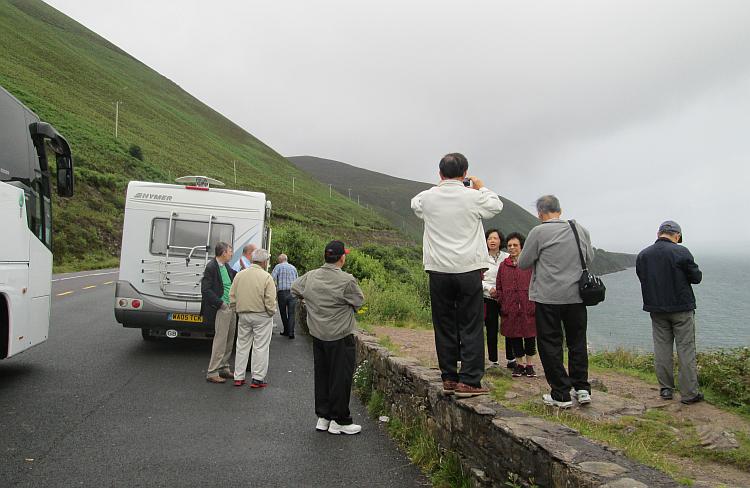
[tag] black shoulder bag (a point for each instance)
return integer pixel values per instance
(591, 287)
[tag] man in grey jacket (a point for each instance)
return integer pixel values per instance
(332, 297)
(552, 253)
(455, 254)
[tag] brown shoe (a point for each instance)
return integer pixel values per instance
(465, 391)
(449, 386)
(215, 379)
(226, 374)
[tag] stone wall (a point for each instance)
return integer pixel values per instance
(495, 442)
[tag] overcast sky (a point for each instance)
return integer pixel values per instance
(632, 112)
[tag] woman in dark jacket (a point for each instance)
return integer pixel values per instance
(517, 311)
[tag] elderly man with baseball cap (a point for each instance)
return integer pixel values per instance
(332, 297)
(667, 271)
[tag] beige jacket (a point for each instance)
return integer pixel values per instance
(253, 290)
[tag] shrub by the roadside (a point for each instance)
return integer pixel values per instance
(726, 373)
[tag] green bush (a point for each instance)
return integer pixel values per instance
(395, 286)
(726, 373)
(136, 152)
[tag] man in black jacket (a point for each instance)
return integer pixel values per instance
(666, 271)
(215, 286)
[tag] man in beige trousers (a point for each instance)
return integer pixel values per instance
(253, 297)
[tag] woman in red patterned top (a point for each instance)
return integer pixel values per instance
(517, 311)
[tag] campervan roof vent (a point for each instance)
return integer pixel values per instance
(198, 182)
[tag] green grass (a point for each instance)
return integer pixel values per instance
(501, 384)
(71, 78)
(724, 374)
(443, 467)
(651, 439)
(388, 343)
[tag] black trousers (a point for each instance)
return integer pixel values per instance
(334, 371)
(287, 302)
(509, 350)
(551, 320)
(522, 346)
(457, 314)
(491, 322)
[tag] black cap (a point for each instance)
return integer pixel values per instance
(335, 249)
(670, 227)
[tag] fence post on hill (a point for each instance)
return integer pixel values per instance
(234, 165)
(117, 115)
(330, 191)
(292, 185)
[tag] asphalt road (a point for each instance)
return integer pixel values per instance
(96, 405)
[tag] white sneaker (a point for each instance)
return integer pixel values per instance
(583, 397)
(335, 428)
(322, 424)
(551, 402)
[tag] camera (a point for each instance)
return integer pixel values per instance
(467, 182)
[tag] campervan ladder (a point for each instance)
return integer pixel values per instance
(177, 276)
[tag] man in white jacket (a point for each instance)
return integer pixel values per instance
(454, 255)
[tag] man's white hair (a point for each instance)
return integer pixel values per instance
(260, 255)
(283, 258)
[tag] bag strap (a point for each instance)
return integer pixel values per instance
(578, 244)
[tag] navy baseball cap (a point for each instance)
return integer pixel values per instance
(670, 227)
(335, 248)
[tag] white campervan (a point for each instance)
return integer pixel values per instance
(168, 237)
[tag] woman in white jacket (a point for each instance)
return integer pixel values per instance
(491, 312)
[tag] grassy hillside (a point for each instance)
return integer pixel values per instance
(391, 196)
(71, 77)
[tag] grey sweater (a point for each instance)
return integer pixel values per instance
(550, 250)
(331, 296)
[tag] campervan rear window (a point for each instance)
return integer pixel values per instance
(186, 235)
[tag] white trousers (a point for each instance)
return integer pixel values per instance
(254, 331)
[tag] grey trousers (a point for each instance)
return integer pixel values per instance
(675, 328)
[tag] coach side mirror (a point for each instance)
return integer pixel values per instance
(64, 176)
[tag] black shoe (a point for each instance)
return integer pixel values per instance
(519, 371)
(511, 364)
(284, 334)
(530, 373)
(291, 337)
(665, 393)
(689, 401)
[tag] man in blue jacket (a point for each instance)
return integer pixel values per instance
(666, 271)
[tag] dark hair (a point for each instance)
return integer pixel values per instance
(499, 234)
(453, 165)
(220, 248)
(332, 259)
(516, 235)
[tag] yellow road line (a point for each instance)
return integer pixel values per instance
(64, 293)
(108, 282)
(88, 287)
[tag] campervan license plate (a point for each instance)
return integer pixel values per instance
(186, 317)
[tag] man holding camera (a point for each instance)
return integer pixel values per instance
(455, 255)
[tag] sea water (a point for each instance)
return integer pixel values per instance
(722, 317)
